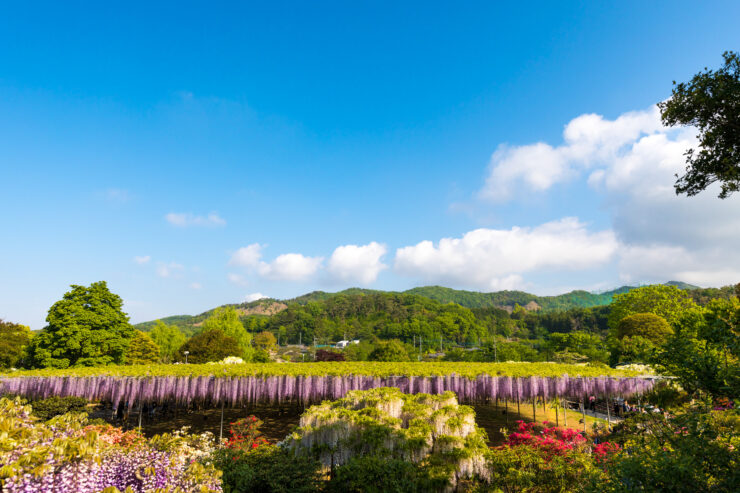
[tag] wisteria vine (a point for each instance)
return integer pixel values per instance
(303, 389)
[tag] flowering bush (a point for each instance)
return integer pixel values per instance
(245, 434)
(551, 440)
(66, 455)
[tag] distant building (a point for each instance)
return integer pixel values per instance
(344, 344)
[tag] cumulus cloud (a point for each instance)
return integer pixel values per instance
(285, 267)
(182, 220)
(171, 269)
(142, 260)
(496, 259)
(248, 256)
(290, 267)
(357, 263)
(631, 163)
(254, 297)
(195, 285)
(590, 140)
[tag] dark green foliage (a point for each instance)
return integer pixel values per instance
(142, 350)
(13, 340)
(646, 325)
(372, 474)
(704, 351)
(392, 350)
(710, 102)
(267, 469)
(211, 345)
(261, 356)
(46, 409)
(87, 327)
(691, 452)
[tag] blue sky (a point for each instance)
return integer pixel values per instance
(194, 154)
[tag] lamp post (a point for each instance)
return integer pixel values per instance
(186, 356)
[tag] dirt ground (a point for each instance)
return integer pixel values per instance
(279, 421)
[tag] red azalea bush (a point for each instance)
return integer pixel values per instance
(551, 440)
(245, 434)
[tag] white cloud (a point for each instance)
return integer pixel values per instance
(182, 220)
(589, 140)
(254, 297)
(248, 256)
(631, 162)
(290, 267)
(237, 279)
(285, 267)
(171, 269)
(496, 259)
(357, 263)
(142, 260)
(195, 285)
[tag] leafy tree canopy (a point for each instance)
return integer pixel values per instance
(226, 319)
(87, 327)
(265, 340)
(209, 345)
(392, 350)
(647, 325)
(710, 102)
(142, 350)
(169, 339)
(13, 340)
(667, 301)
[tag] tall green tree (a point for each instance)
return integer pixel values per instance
(142, 350)
(668, 302)
(209, 345)
(169, 339)
(710, 102)
(226, 319)
(647, 325)
(87, 327)
(13, 340)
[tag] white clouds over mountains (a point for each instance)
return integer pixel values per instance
(630, 164)
(496, 259)
(359, 264)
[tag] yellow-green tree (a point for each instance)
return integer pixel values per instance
(265, 340)
(169, 339)
(668, 302)
(226, 319)
(142, 350)
(13, 340)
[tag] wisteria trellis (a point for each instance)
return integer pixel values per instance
(235, 391)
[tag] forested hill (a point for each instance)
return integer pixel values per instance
(509, 299)
(469, 299)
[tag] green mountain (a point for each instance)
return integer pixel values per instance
(469, 299)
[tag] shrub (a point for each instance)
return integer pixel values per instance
(46, 409)
(371, 474)
(691, 452)
(324, 355)
(268, 469)
(245, 434)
